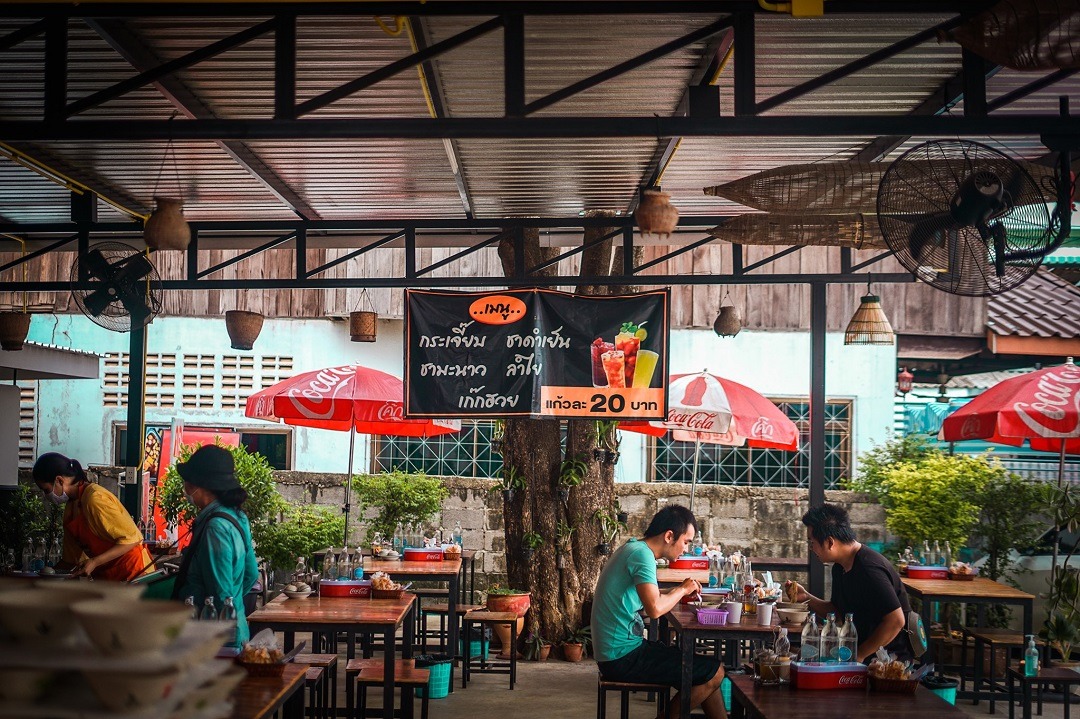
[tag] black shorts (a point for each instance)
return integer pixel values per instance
(657, 663)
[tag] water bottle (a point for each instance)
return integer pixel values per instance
(330, 565)
(300, 572)
(830, 640)
(28, 556)
(948, 554)
(209, 611)
(849, 640)
(782, 646)
(811, 640)
(714, 573)
(228, 611)
(938, 559)
(37, 562)
(927, 553)
(457, 534)
(151, 530)
(699, 546)
(358, 565)
(1031, 658)
(345, 564)
(399, 538)
(192, 610)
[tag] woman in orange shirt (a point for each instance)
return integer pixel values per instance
(100, 537)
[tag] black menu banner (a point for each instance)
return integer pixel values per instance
(536, 352)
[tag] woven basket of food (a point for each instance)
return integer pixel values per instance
(893, 686)
(387, 593)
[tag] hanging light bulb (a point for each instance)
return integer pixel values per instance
(869, 325)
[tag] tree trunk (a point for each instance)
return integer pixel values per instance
(560, 597)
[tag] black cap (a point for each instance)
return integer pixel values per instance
(211, 467)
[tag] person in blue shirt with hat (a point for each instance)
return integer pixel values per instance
(220, 560)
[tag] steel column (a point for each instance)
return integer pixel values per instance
(56, 58)
(745, 66)
(818, 313)
(974, 69)
(285, 67)
(514, 65)
(134, 447)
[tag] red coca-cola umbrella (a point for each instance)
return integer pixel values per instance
(350, 399)
(1041, 408)
(706, 408)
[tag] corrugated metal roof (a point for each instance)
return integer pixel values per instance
(1044, 306)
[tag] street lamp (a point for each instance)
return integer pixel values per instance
(904, 381)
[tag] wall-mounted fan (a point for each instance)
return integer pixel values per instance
(125, 289)
(964, 217)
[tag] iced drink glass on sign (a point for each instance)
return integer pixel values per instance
(628, 344)
(597, 349)
(614, 368)
(646, 366)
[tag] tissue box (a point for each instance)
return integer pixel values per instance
(352, 588)
(923, 572)
(416, 554)
(828, 675)
(690, 563)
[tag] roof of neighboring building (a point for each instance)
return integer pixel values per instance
(44, 361)
(1044, 306)
(1068, 256)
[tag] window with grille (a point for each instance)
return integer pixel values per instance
(27, 423)
(746, 466)
(467, 453)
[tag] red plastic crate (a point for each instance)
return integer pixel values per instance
(827, 675)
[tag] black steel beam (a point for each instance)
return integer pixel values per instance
(38, 253)
(285, 67)
(772, 258)
(872, 261)
(532, 127)
(166, 69)
(974, 69)
(624, 67)
(467, 251)
(855, 65)
(376, 76)
(514, 65)
(55, 77)
(674, 253)
(1034, 86)
(292, 283)
(65, 8)
(570, 253)
(745, 66)
(356, 253)
(818, 328)
(24, 33)
(245, 255)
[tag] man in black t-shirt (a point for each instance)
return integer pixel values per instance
(864, 583)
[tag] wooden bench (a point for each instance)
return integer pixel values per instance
(469, 663)
(625, 689)
(363, 673)
(315, 681)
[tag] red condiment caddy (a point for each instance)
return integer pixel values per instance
(828, 675)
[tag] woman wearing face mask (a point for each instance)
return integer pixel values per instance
(100, 537)
(220, 561)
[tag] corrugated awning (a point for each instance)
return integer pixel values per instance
(919, 347)
(38, 361)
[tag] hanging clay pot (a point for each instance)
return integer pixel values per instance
(167, 229)
(363, 326)
(728, 322)
(656, 215)
(13, 329)
(243, 327)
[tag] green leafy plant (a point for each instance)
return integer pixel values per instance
(609, 525)
(1062, 627)
(875, 464)
(1009, 519)
(398, 497)
(532, 540)
(605, 433)
(1061, 633)
(572, 471)
(27, 515)
(533, 644)
(582, 636)
(936, 497)
(563, 534)
(500, 591)
(302, 531)
(264, 505)
(510, 478)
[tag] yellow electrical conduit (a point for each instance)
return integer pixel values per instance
(23, 160)
(796, 8)
(402, 23)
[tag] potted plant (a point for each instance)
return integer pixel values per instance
(398, 497)
(577, 644)
(510, 480)
(621, 514)
(609, 530)
(563, 535)
(571, 472)
(504, 599)
(530, 542)
(1062, 627)
(498, 436)
(537, 648)
(606, 446)
(1062, 634)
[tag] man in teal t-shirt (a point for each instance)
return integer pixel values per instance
(625, 588)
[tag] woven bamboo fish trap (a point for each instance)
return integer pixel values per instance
(1025, 34)
(860, 232)
(833, 188)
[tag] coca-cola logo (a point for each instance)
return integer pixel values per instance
(391, 412)
(852, 680)
(971, 428)
(315, 398)
(763, 428)
(1055, 411)
(700, 421)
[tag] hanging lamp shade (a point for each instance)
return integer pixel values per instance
(363, 326)
(656, 215)
(166, 229)
(869, 325)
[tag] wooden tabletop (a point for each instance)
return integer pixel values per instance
(684, 617)
(332, 610)
(445, 568)
(258, 697)
(976, 589)
(783, 702)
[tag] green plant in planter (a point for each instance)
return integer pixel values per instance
(302, 531)
(532, 541)
(398, 497)
(1062, 627)
(582, 636)
(533, 644)
(563, 535)
(28, 516)
(572, 471)
(1062, 634)
(609, 525)
(264, 505)
(500, 591)
(510, 480)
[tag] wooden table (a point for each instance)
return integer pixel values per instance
(259, 697)
(667, 577)
(1046, 675)
(779, 702)
(979, 591)
(352, 616)
(684, 621)
(448, 570)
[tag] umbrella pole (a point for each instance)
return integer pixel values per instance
(348, 482)
(693, 474)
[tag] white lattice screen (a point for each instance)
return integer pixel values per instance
(27, 423)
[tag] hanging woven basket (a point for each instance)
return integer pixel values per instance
(728, 322)
(167, 229)
(656, 215)
(243, 327)
(363, 326)
(13, 329)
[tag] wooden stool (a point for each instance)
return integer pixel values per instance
(442, 611)
(363, 673)
(992, 639)
(315, 681)
(329, 688)
(484, 618)
(1046, 675)
(662, 691)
